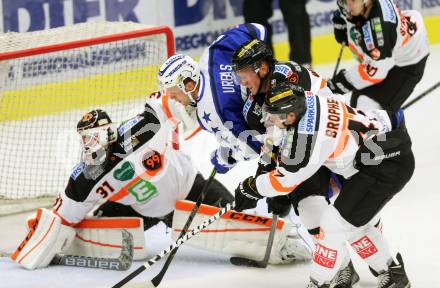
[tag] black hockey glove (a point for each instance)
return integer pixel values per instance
(340, 84)
(246, 195)
(268, 161)
(340, 28)
(279, 205)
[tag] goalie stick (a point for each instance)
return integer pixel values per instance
(241, 261)
(121, 263)
(178, 243)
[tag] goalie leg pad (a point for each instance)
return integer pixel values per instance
(236, 233)
(102, 237)
(45, 239)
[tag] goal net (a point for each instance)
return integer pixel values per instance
(50, 78)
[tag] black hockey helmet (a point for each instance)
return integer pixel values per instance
(285, 97)
(96, 133)
(93, 119)
(252, 53)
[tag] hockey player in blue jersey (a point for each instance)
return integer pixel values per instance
(210, 85)
(224, 107)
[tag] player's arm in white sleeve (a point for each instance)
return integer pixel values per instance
(303, 160)
(185, 117)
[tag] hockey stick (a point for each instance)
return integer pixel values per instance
(121, 263)
(432, 88)
(158, 278)
(241, 261)
(338, 61)
(179, 242)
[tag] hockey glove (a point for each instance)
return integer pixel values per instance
(267, 161)
(280, 205)
(340, 84)
(339, 28)
(222, 160)
(246, 195)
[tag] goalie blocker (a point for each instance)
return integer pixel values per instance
(241, 234)
(98, 238)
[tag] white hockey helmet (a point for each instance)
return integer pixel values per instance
(176, 70)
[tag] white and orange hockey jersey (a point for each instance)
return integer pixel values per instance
(144, 169)
(328, 134)
(389, 38)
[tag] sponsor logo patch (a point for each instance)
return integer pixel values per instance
(152, 161)
(127, 125)
(143, 191)
(126, 172)
(389, 15)
(247, 105)
(293, 77)
(364, 247)
(324, 256)
(368, 36)
(308, 121)
(282, 69)
(77, 170)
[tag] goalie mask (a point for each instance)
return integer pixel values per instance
(176, 71)
(281, 100)
(96, 135)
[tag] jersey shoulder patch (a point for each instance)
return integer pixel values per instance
(127, 125)
(388, 12)
(308, 123)
(77, 170)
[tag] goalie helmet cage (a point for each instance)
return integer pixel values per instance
(49, 79)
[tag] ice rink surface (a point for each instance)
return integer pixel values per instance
(410, 223)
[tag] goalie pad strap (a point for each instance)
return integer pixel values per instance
(109, 223)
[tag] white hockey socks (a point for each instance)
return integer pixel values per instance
(331, 252)
(370, 244)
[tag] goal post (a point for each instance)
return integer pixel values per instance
(50, 78)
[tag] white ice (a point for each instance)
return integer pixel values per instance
(410, 224)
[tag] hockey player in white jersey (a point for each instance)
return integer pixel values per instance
(391, 46)
(371, 153)
(138, 171)
(135, 169)
(256, 69)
